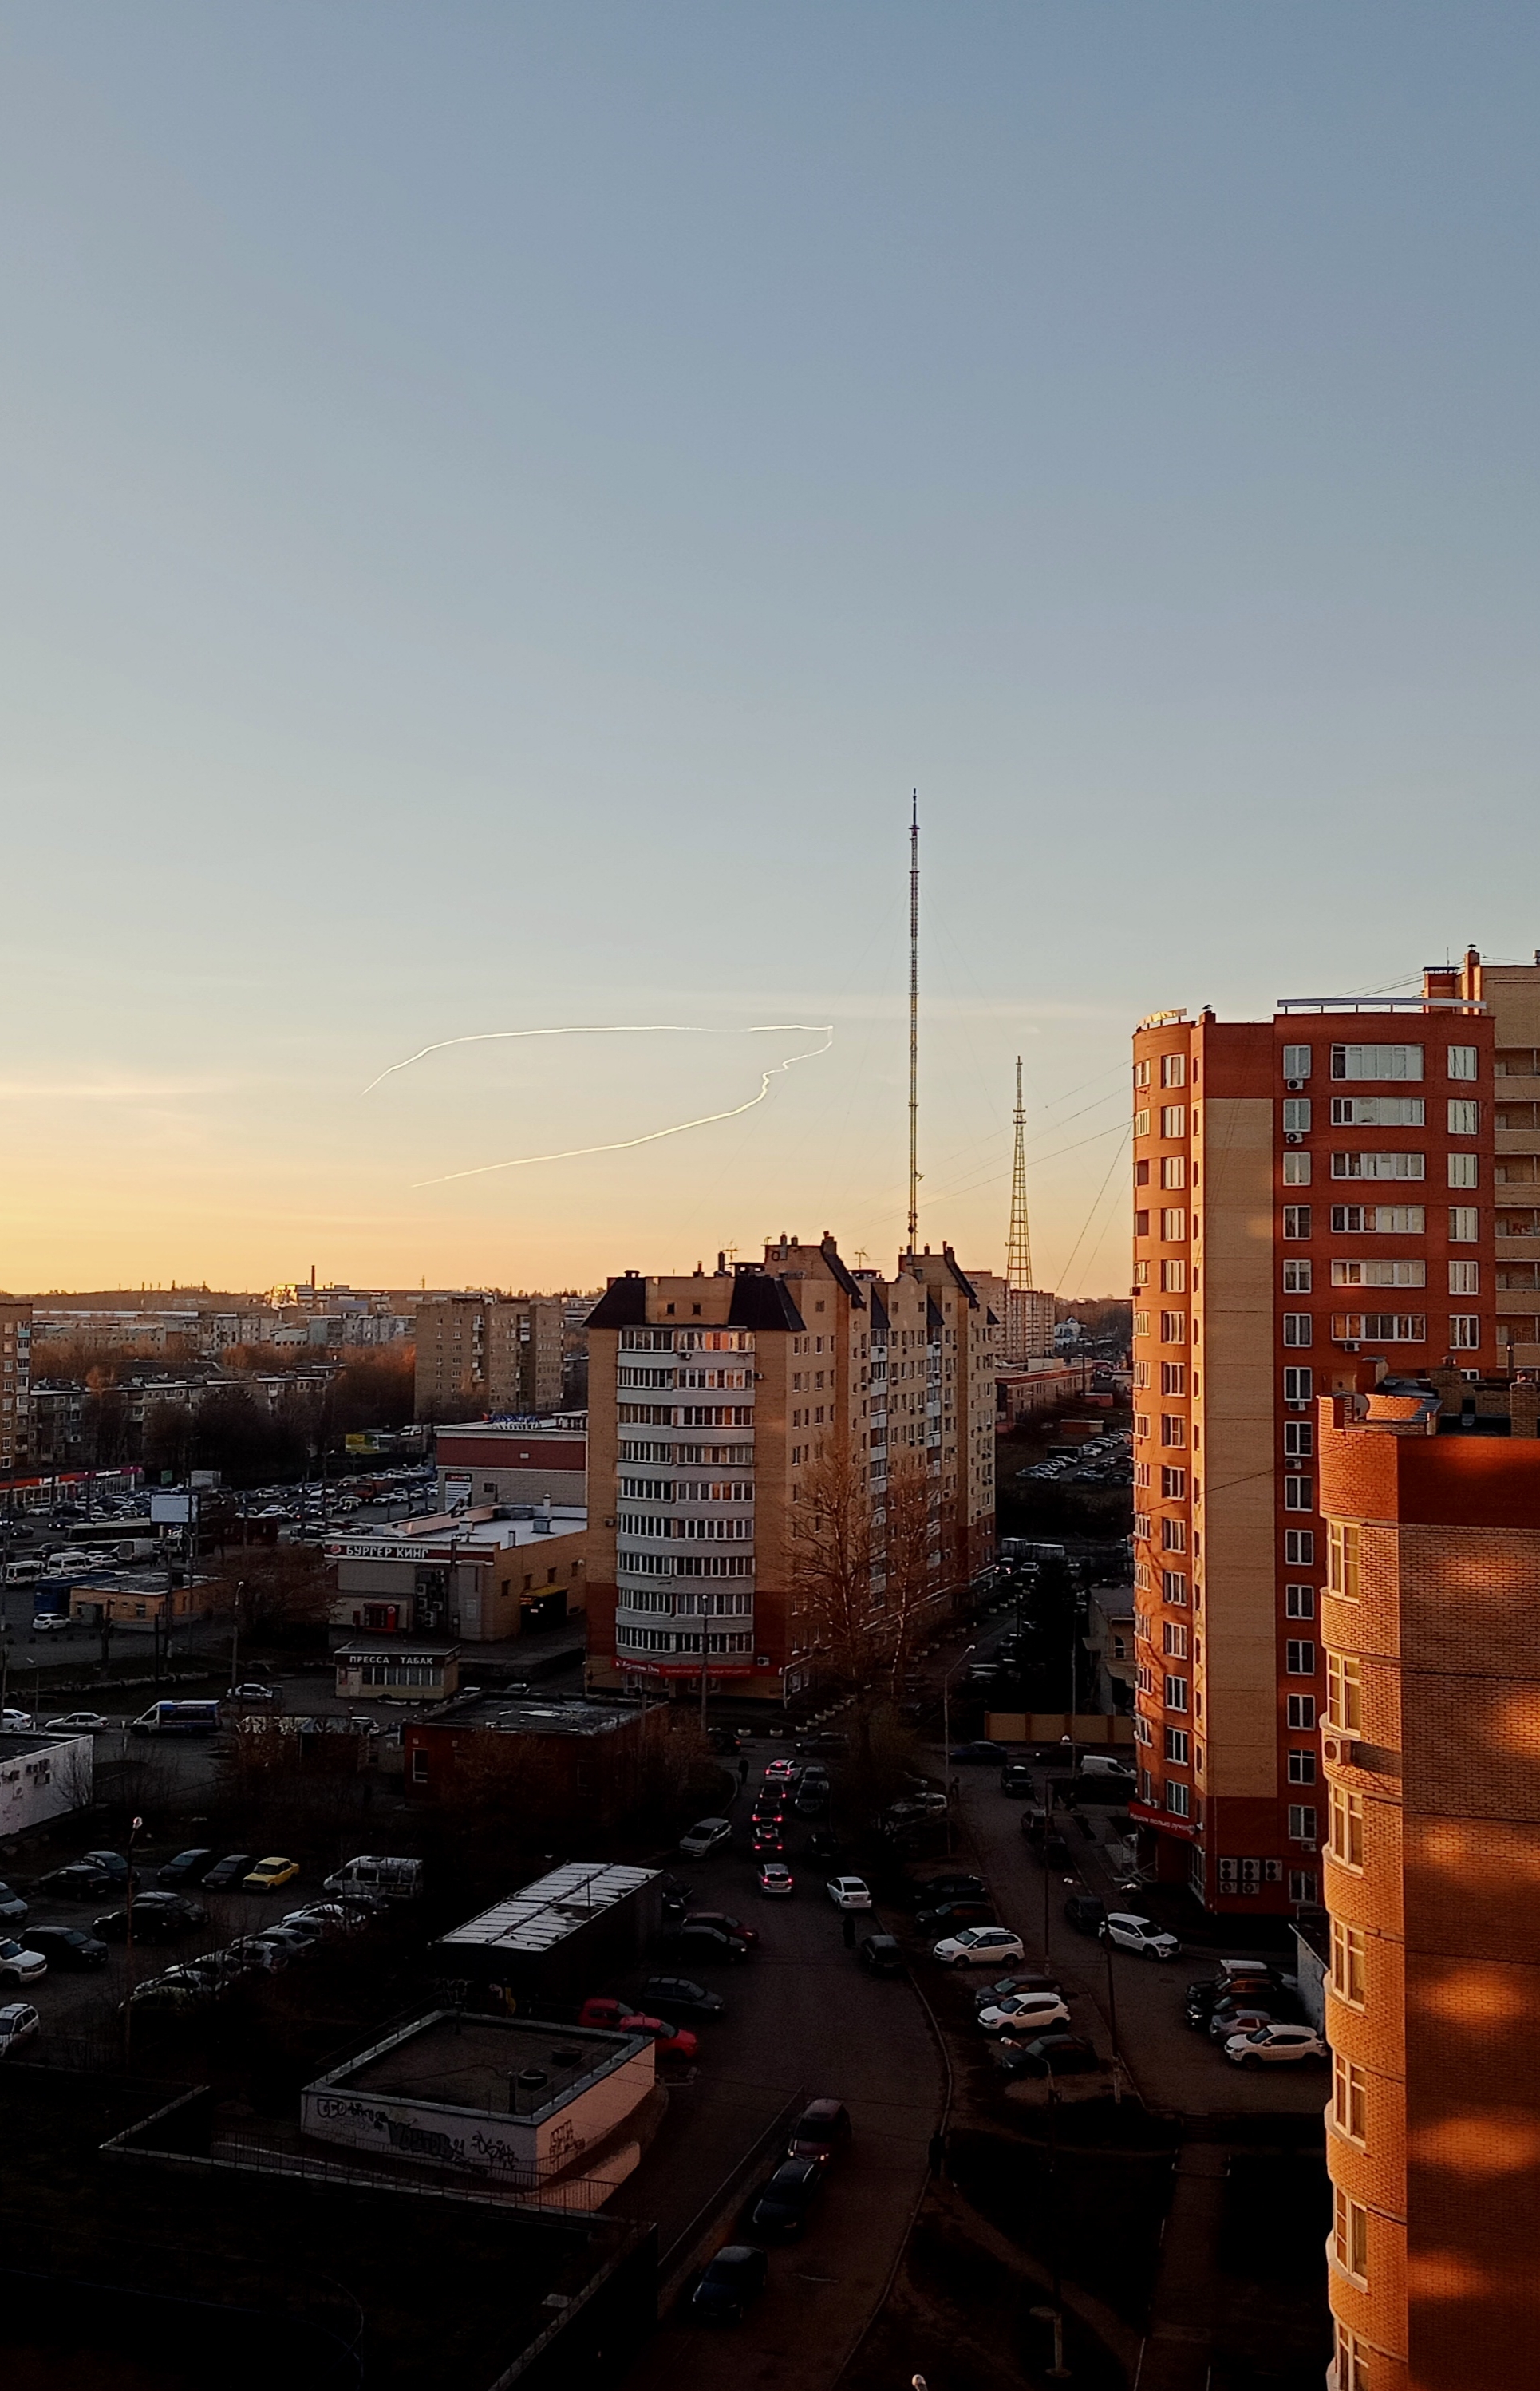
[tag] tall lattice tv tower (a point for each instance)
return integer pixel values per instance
(1018, 1248)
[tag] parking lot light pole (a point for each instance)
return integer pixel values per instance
(965, 1654)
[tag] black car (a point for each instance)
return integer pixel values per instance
(78, 1882)
(951, 1915)
(227, 1872)
(880, 1956)
(158, 1918)
(781, 2208)
(1085, 1913)
(1004, 1986)
(833, 1747)
(1047, 1842)
(736, 2276)
(68, 1946)
(937, 1889)
(977, 1755)
(188, 1867)
(822, 2132)
(1210, 1992)
(1047, 2054)
(705, 1943)
(823, 1845)
(1015, 1778)
(682, 1998)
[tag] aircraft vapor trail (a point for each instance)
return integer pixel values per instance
(619, 1029)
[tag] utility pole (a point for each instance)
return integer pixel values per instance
(913, 1019)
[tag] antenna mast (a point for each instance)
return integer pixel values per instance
(913, 1019)
(1018, 1250)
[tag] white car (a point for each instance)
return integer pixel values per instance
(705, 1836)
(980, 1947)
(256, 1951)
(18, 2020)
(17, 1965)
(294, 1942)
(1130, 1933)
(51, 1623)
(328, 1917)
(14, 1722)
(849, 1893)
(78, 1723)
(1274, 2045)
(1024, 2013)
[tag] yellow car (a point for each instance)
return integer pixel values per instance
(268, 1875)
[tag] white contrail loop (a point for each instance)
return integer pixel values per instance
(616, 1030)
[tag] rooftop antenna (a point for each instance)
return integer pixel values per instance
(1018, 1248)
(913, 1019)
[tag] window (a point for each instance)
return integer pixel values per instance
(1377, 1062)
(1347, 1828)
(1462, 1062)
(1349, 2238)
(1173, 1639)
(1464, 1332)
(1173, 1278)
(1141, 1419)
(1352, 2362)
(1174, 1171)
(1296, 1169)
(1140, 1324)
(1296, 1116)
(1173, 1485)
(1463, 1228)
(1176, 1746)
(1296, 1061)
(1345, 1692)
(1296, 1327)
(1301, 1770)
(1300, 1658)
(1304, 1886)
(1141, 1075)
(1176, 1693)
(1378, 1219)
(1296, 1221)
(420, 1768)
(1173, 1120)
(1349, 1970)
(1465, 1278)
(1174, 1377)
(1173, 1586)
(1179, 1800)
(1173, 1071)
(1301, 1823)
(1297, 1278)
(1301, 1711)
(1141, 1121)
(1174, 1226)
(1299, 1493)
(1350, 2098)
(1299, 1385)
(1464, 1117)
(1380, 1328)
(1173, 1429)
(1376, 1112)
(1173, 1328)
(1299, 1440)
(1348, 1165)
(1298, 1602)
(1141, 1220)
(1462, 1171)
(1378, 1274)
(1174, 1535)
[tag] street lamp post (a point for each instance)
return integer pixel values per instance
(946, 1732)
(1058, 2372)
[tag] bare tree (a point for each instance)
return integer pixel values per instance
(907, 1539)
(830, 1565)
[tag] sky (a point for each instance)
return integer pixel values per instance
(502, 503)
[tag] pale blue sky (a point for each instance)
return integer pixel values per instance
(501, 502)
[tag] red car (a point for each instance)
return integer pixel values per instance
(601, 2010)
(670, 2042)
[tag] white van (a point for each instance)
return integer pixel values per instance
(1097, 1764)
(24, 1573)
(370, 1877)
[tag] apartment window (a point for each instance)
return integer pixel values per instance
(1140, 1324)
(1301, 1770)
(1304, 1886)
(1377, 1062)
(1347, 1164)
(1173, 1586)
(1378, 1112)
(1298, 1328)
(1179, 1800)
(1141, 1375)
(1353, 2361)
(1174, 1534)
(1350, 2098)
(1345, 1692)
(1298, 1602)
(1296, 1116)
(1141, 1121)
(1173, 1225)
(1349, 2238)
(1141, 1075)
(1173, 1328)
(1300, 1711)
(1173, 1639)
(1296, 1168)
(1173, 1429)
(1464, 1117)
(1173, 1485)
(1296, 1061)
(1173, 1120)
(1462, 1062)
(1296, 1221)
(1465, 1278)
(1347, 1828)
(1173, 1278)
(1301, 1823)
(1381, 1327)
(1174, 1171)
(1141, 1419)
(1299, 1656)
(1378, 1219)
(1464, 1332)
(1142, 1525)
(1299, 1385)
(1463, 1224)
(1462, 1171)
(1349, 1968)
(1299, 1440)
(1378, 1274)
(1174, 1072)
(1176, 1693)
(1176, 1746)
(1141, 1174)
(1299, 1493)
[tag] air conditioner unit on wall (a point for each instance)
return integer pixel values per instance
(1293, 1083)
(1293, 1137)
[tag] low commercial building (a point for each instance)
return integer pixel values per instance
(529, 1460)
(558, 1938)
(141, 1606)
(485, 1576)
(1037, 1387)
(43, 1777)
(591, 1761)
(396, 1669)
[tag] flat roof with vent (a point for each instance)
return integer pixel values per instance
(543, 1914)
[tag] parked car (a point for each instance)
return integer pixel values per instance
(776, 1880)
(257, 1951)
(823, 1847)
(1097, 1764)
(1047, 2054)
(779, 1772)
(175, 1990)
(736, 2276)
(688, 1941)
(19, 2022)
(1023, 2013)
(1128, 1931)
(230, 1870)
(669, 2041)
(1004, 1986)
(604, 2011)
(325, 1917)
(270, 1875)
(1276, 2044)
(948, 1915)
(935, 1889)
(68, 1946)
(782, 2205)
(18, 1963)
(158, 1918)
(706, 1836)
(1085, 1913)
(980, 1947)
(880, 1955)
(188, 1867)
(728, 1925)
(1015, 1778)
(977, 1755)
(14, 1722)
(683, 1996)
(830, 1745)
(13, 1909)
(375, 1877)
(1213, 1992)
(253, 1692)
(849, 1893)
(77, 1722)
(821, 2132)
(812, 1800)
(110, 1864)
(1248, 2010)
(294, 1942)
(77, 1881)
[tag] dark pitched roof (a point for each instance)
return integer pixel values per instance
(622, 1305)
(965, 1284)
(933, 1315)
(879, 1312)
(761, 1301)
(842, 1277)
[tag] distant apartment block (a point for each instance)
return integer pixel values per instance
(486, 1355)
(16, 1342)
